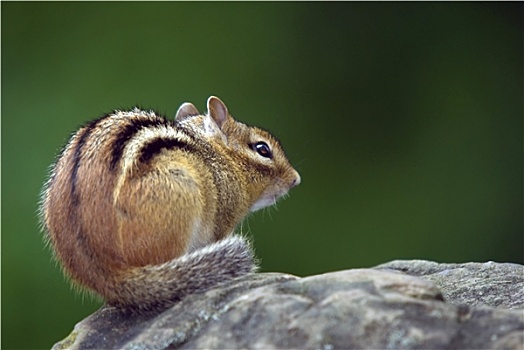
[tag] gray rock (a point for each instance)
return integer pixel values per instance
(399, 305)
(474, 284)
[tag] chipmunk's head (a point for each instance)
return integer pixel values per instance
(269, 173)
(273, 175)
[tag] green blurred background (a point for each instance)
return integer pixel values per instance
(404, 120)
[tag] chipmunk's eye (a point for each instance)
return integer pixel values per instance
(263, 149)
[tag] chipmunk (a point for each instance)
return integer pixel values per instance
(140, 209)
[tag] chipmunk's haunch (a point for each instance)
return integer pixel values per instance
(139, 208)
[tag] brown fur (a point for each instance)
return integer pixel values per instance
(135, 203)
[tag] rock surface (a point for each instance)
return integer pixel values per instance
(398, 305)
(474, 284)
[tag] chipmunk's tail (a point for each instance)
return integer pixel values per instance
(158, 287)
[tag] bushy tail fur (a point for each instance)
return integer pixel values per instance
(158, 287)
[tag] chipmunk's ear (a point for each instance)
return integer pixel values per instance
(186, 110)
(217, 110)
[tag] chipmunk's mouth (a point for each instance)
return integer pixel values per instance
(272, 194)
(263, 202)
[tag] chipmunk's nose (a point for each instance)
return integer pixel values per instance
(296, 180)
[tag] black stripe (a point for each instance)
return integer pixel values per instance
(86, 131)
(135, 124)
(153, 147)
